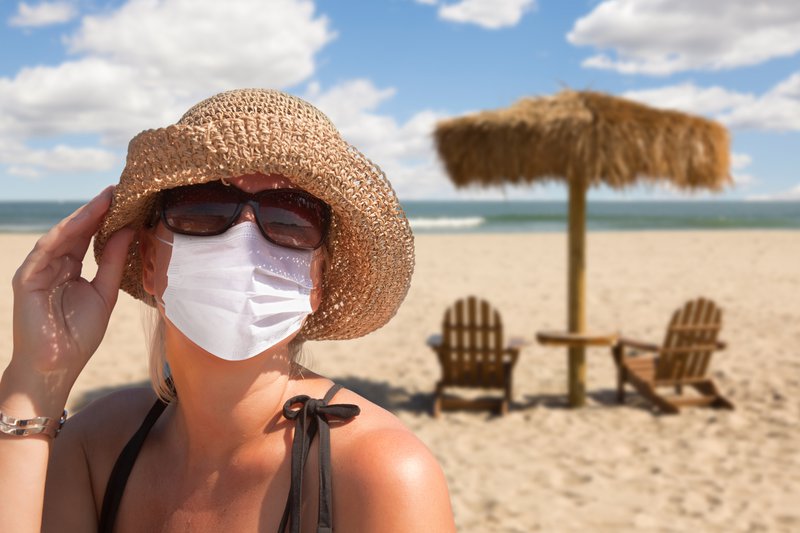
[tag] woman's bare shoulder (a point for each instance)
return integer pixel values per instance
(385, 474)
(103, 427)
(84, 454)
(112, 414)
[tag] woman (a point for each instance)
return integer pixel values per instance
(250, 226)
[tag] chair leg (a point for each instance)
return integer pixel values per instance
(437, 407)
(709, 388)
(504, 407)
(437, 400)
(616, 351)
(663, 405)
(651, 395)
(508, 393)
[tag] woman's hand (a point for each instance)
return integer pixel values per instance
(60, 317)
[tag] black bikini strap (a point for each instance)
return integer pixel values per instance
(122, 469)
(312, 416)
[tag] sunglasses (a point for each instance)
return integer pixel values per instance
(287, 217)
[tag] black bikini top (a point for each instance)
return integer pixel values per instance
(310, 416)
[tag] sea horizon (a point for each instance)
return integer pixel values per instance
(504, 216)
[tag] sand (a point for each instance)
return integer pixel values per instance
(544, 467)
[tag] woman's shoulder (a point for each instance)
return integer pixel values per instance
(106, 424)
(374, 434)
(382, 470)
(115, 415)
(91, 440)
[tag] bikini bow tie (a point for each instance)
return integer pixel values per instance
(311, 415)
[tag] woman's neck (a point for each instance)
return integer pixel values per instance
(223, 405)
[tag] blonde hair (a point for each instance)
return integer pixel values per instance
(155, 337)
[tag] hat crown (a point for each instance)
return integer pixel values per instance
(254, 103)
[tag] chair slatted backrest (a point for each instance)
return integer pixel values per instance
(690, 340)
(472, 351)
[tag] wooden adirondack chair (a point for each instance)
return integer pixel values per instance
(472, 354)
(682, 359)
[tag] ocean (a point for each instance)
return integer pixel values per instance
(541, 216)
(513, 216)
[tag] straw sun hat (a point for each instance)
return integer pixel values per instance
(370, 245)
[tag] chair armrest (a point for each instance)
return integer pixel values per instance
(624, 342)
(435, 340)
(721, 345)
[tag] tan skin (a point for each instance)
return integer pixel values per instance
(218, 459)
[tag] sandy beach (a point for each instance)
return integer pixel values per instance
(544, 467)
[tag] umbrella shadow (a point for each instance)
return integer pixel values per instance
(391, 397)
(548, 401)
(608, 398)
(598, 399)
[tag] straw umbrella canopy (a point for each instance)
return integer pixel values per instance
(584, 138)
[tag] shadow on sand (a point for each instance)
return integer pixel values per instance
(396, 398)
(391, 397)
(596, 399)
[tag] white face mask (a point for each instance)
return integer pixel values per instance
(236, 294)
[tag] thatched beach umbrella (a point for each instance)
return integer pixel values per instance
(585, 138)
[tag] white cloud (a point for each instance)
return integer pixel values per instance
(403, 150)
(28, 162)
(777, 109)
(135, 67)
(23, 172)
(659, 37)
(88, 96)
(792, 195)
(489, 14)
(743, 180)
(689, 98)
(216, 45)
(740, 161)
(43, 14)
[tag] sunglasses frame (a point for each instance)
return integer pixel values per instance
(245, 198)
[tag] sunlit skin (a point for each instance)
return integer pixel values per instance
(218, 458)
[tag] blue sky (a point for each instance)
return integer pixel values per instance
(79, 78)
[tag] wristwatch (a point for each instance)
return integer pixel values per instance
(22, 427)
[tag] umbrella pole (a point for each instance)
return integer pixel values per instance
(577, 289)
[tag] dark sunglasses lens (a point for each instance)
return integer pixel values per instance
(199, 210)
(293, 219)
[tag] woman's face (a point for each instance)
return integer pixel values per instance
(156, 254)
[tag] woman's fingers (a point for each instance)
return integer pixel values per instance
(70, 237)
(112, 265)
(73, 234)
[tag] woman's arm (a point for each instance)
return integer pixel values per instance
(59, 320)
